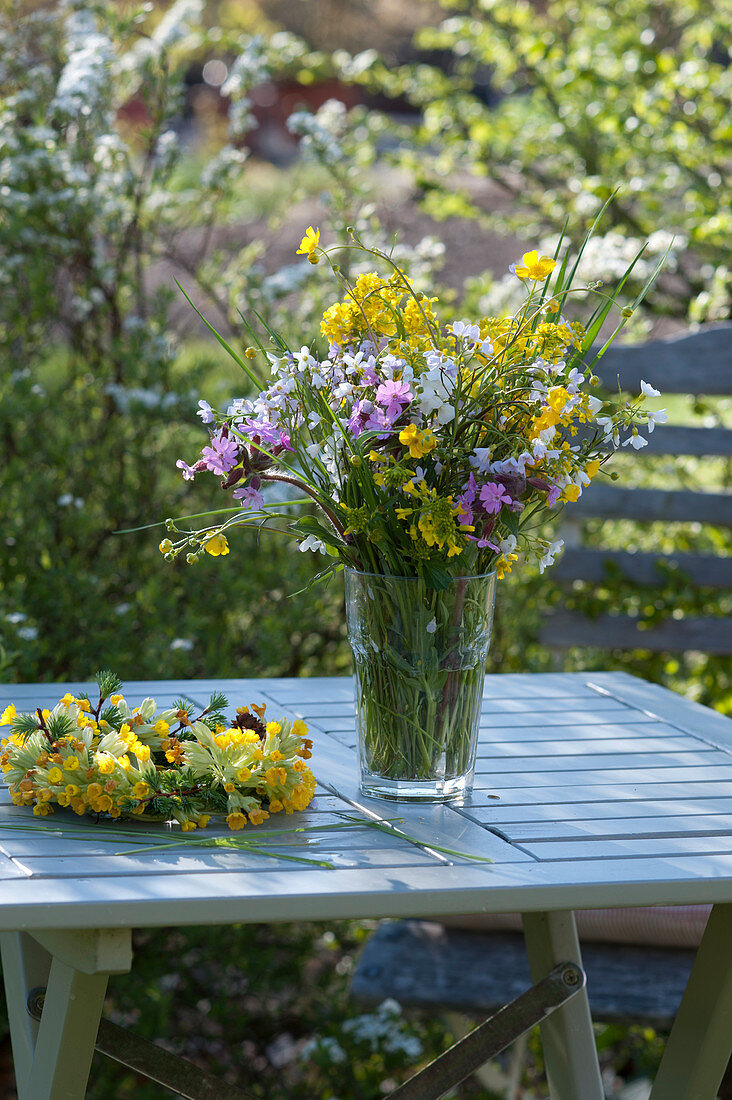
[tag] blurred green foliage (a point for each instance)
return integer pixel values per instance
(559, 103)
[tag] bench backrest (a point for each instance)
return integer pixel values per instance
(694, 363)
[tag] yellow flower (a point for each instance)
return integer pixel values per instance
(71, 763)
(419, 443)
(9, 715)
(557, 398)
(187, 826)
(273, 728)
(534, 266)
(229, 787)
(571, 493)
(115, 700)
(275, 806)
(203, 820)
(592, 468)
(243, 774)
(140, 790)
(236, 821)
(105, 765)
(165, 546)
(505, 564)
(256, 816)
(402, 513)
(161, 727)
(55, 775)
(42, 809)
(142, 752)
(309, 245)
(72, 790)
(299, 728)
(216, 544)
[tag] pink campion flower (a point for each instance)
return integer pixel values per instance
(249, 496)
(378, 421)
(493, 496)
(359, 413)
(188, 472)
(466, 501)
(392, 395)
(222, 455)
(483, 541)
(261, 430)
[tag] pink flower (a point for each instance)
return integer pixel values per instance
(222, 455)
(188, 472)
(249, 497)
(392, 395)
(493, 496)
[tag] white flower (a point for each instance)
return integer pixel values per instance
(548, 557)
(649, 390)
(507, 545)
(431, 626)
(654, 418)
(466, 330)
(312, 542)
(480, 459)
(635, 441)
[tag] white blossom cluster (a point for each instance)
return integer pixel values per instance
(385, 1030)
(322, 133)
(607, 257)
(84, 84)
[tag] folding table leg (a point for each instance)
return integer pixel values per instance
(567, 1038)
(26, 966)
(71, 968)
(700, 1042)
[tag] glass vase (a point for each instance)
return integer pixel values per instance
(419, 661)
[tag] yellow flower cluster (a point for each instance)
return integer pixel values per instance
(164, 765)
(520, 342)
(378, 307)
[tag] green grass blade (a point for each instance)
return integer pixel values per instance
(224, 343)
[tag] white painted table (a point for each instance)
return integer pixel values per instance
(610, 792)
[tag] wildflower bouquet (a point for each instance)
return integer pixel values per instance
(105, 758)
(434, 455)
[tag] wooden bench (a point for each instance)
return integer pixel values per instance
(693, 363)
(435, 967)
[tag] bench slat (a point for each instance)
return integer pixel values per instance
(647, 505)
(697, 362)
(673, 439)
(426, 965)
(613, 632)
(642, 568)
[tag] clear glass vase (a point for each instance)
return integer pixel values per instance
(419, 655)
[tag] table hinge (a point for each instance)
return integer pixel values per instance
(494, 1035)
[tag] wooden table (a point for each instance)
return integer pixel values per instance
(611, 792)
